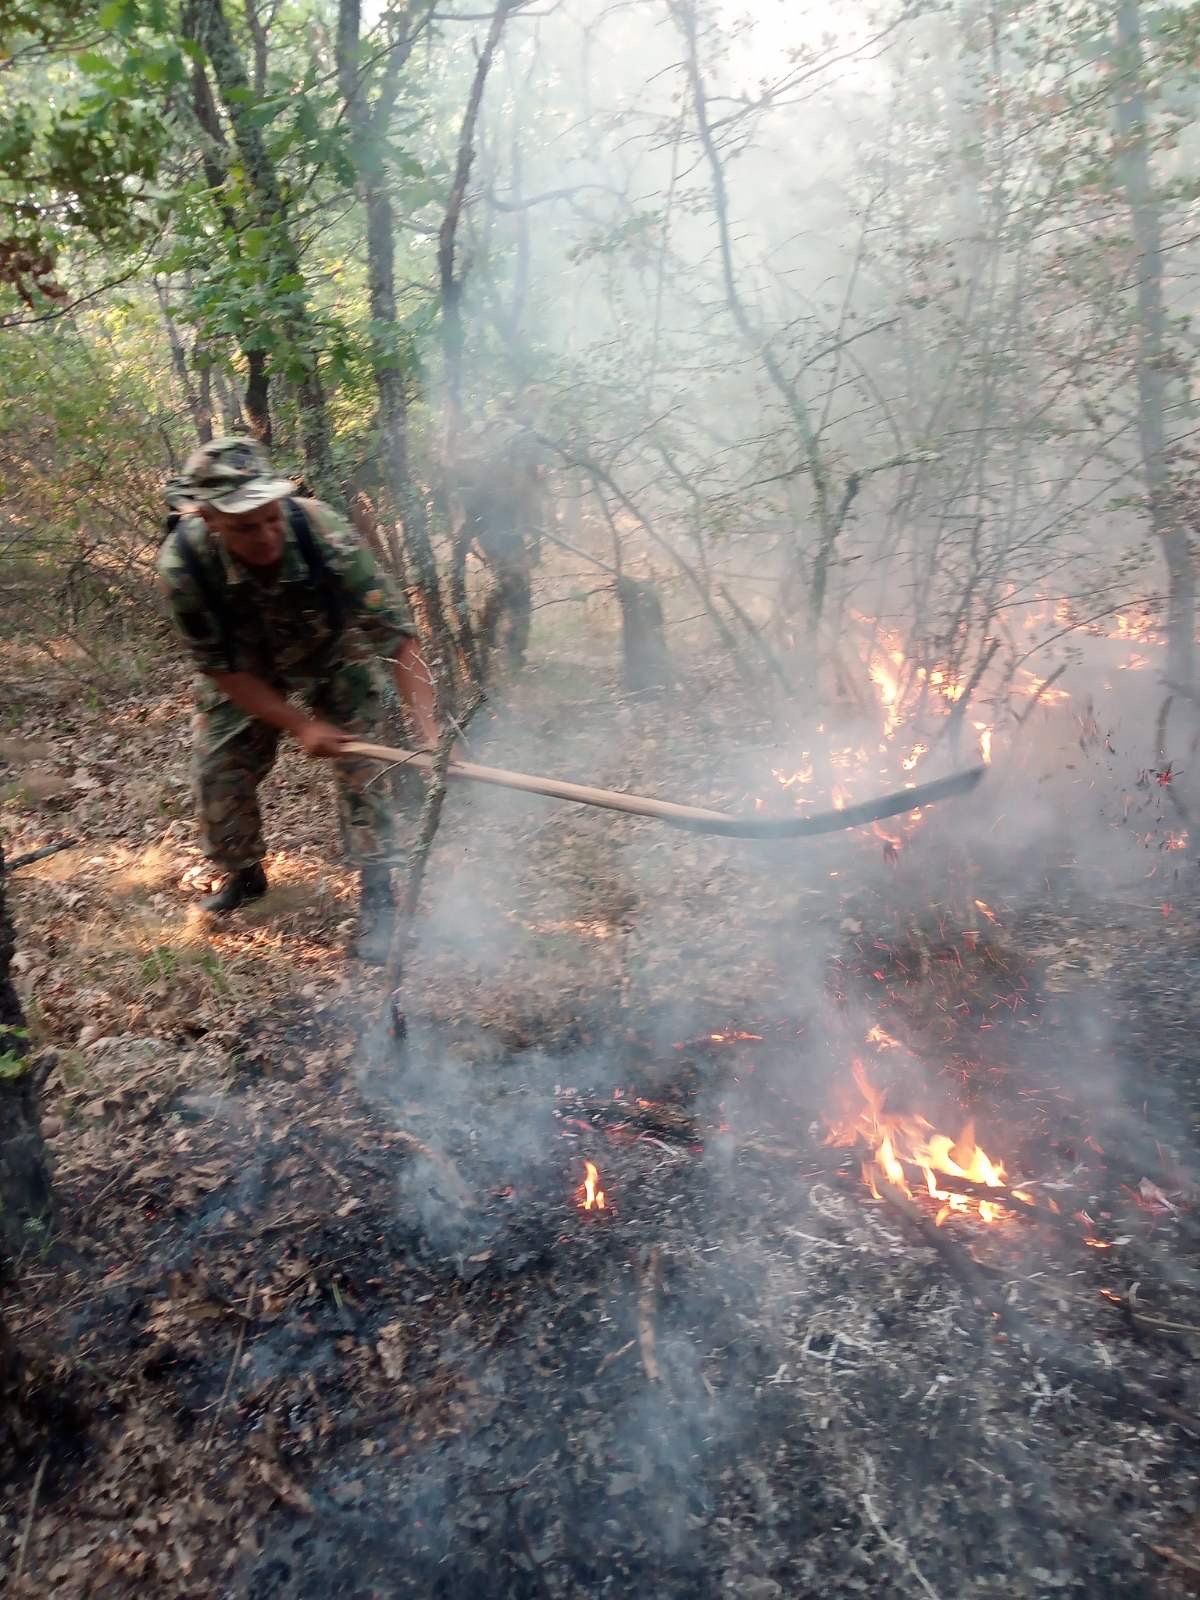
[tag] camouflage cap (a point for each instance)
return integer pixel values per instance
(178, 494)
(230, 475)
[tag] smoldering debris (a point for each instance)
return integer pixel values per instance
(744, 1373)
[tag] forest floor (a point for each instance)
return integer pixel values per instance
(307, 1327)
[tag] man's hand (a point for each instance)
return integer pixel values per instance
(322, 740)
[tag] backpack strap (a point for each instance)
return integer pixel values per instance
(325, 580)
(210, 585)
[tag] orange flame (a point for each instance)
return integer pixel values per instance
(899, 1143)
(589, 1196)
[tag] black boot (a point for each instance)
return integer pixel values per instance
(377, 914)
(247, 883)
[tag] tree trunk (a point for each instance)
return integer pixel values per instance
(25, 1194)
(367, 123)
(213, 154)
(282, 258)
(199, 406)
(1133, 169)
(645, 659)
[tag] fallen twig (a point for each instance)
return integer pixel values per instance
(961, 1263)
(651, 1279)
(31, 856)
(615, 1355)
(1004, 1197)
(438, 1158)
(403, 934)
(1177, 1560)
(239, 1345)
(23, 1542)
(1037, 1342)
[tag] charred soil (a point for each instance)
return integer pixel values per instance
(335, 1330)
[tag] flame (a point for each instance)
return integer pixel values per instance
(876, 1035)
(1036, 688)
(589, 1196)
(888, 684)
(899, 1143)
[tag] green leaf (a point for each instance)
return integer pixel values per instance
(119, 16)
(95, 66)
(254, 242)
(13, 1066)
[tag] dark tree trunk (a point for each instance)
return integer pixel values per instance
(25, 1194)
(645, 659)
(257, 397)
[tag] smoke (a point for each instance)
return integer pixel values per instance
(809, 376)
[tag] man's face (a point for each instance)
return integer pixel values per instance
(255, 537)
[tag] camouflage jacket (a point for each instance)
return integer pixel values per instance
(278, 628)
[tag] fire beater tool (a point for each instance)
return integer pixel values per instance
(693, 819)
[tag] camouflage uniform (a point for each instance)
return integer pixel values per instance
(277, 627)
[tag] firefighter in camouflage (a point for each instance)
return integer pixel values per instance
(277, 603)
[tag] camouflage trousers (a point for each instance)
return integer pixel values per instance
(232, 754)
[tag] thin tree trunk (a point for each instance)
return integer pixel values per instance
(213, 155)
(474, 649)
(214, 33)
(684, 12)
(1133, 168)
(451, 281)
(200, 410)
(25, 1194)
(367, 124)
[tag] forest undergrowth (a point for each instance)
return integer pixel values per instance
(313, 1328)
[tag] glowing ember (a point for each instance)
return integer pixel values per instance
(590, 1196)
(900, 1144)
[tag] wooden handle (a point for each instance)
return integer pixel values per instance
(695, 819)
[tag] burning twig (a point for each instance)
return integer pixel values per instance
(651, 1281)
(1041, 690)
(961, 1263)
(1003, 1196)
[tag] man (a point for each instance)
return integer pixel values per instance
(276, 599)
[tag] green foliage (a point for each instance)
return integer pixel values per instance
(13, 1066)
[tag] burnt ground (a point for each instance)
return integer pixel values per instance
(317, 1328)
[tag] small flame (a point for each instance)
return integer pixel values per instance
(876, 1035)
(589, 1196)
(898, 1142)
(888, 684)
